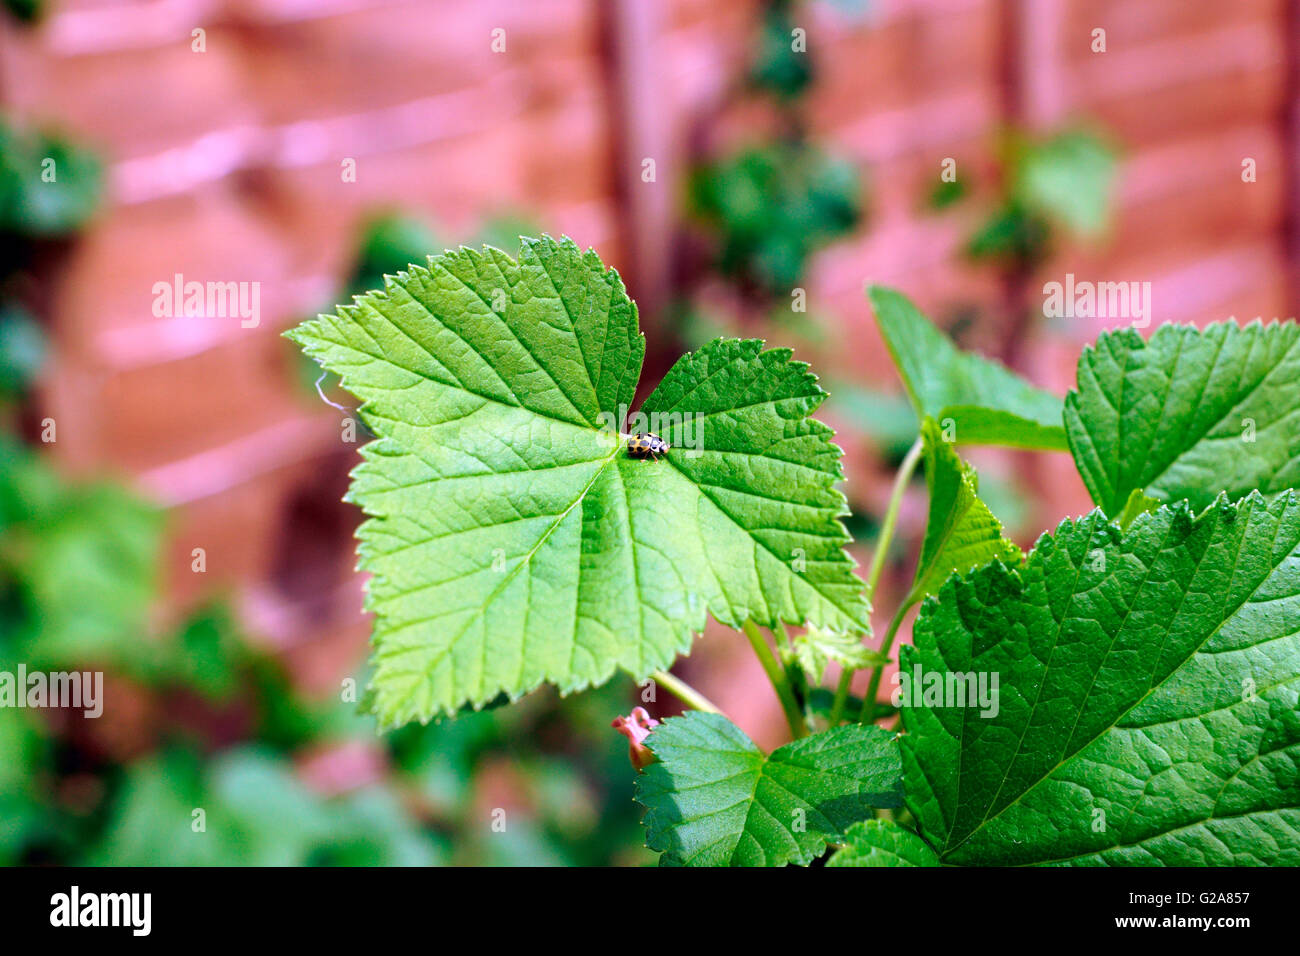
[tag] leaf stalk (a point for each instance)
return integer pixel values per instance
(779, 678)
(684, 692)
(886, 538)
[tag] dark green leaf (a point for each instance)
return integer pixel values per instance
(713, 799)
(1145, 711)
(1188, 414)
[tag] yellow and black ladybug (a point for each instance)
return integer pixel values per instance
(646, 445)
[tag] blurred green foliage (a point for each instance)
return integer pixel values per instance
(23, 349)
(1049, 185)
(770, 207)
(388, 244)
(49, 186)
(25, 11)
(778, 67)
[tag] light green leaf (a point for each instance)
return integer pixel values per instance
(882, 843)
(1146, 706)
(1068, 178)
(960, 533)
(1188, 414)
(512, 540)
(1138, 503)
(989, 404)
(816, 646)
(713, 799)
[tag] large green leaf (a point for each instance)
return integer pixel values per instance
(714, 799)
(1146, 708)
(988, 404)
(961, 532)
(882, 843)
(1188, 414)
(511, 538)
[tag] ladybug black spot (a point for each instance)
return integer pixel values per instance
(645, 445)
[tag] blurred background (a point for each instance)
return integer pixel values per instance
(170, 485)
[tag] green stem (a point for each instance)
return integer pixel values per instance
(777, 675)
(886, 538)
(841, 697)
(868, 713)
(901, 481)
(685, 692)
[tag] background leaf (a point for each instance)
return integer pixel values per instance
(713, 799)
(1067, 178)
(1173, 416)
(1147, 706)
(511, 538)
(989, 404)
(816, 646)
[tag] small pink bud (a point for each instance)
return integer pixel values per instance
(636, 727)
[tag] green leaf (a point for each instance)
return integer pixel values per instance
(1189, 414)
(713, 799)
(960, 533)
(1068, 178)
(512, 540)
(1138, 504)
(989, 404)
(816, 646)
(882, 843)
(1146, 706)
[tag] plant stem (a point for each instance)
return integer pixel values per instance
(886, 538)
(685, 692)
(841, 697)
(868, 713)
(901, 481)
(777, 675)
